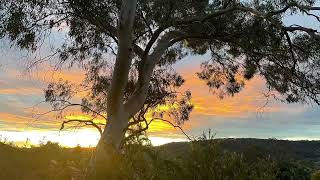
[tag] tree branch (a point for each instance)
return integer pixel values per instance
(86, 122)
(69, 104)
(124, 56)
(147, 124)
(153, 39)
(173, 125)
(311, 32)
(136, 101)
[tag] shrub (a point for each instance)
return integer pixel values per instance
(205, 159)
(316, 175)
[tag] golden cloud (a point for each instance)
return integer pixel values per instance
(250, 100)
(21, 91)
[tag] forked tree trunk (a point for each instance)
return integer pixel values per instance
(119, 112)
(109, 145)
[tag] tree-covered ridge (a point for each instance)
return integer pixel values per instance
(217, 159)
(308, 151)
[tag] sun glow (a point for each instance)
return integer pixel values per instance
(157, 141)
(84, 117)
(80, 117)
(158, 126)
(82, 137)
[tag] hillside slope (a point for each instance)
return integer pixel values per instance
(307, 151)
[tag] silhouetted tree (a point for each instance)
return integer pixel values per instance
(144, 38)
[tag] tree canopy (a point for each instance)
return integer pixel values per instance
(243, 38)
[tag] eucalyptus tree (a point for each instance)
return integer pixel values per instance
(143, 39)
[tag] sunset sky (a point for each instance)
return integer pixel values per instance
(243, 115)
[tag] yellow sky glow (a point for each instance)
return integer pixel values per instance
(83, 137)
(205, 104)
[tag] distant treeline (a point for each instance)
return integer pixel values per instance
(218, 159)
(306, 151)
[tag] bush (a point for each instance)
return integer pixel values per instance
(205, 159)
(208, 161)
(293, 171)
(316, 175)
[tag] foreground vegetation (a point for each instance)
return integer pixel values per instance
(201, 159)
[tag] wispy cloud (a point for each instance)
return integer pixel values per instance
(233, 116)
(26, 91)
(251, 99)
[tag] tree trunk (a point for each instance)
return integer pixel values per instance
(107, 152)
(108, 148)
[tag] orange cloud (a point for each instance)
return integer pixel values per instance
(26, 121)
(74, 76)
(250, 100)
(13, 118)
(20, 91)
(242, 105)
(45, 73)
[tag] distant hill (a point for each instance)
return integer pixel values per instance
(293, 159)
(307, 151)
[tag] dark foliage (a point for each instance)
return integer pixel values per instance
(244, 39)
(202, 159)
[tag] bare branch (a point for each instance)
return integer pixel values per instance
(147, 124)
(86, 122)
(173, 125)
(311, 32)
(69, 104)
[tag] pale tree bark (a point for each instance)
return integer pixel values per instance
(118, 112)
(136, 101)
(118, 119)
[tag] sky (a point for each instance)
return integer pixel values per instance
(248, 114)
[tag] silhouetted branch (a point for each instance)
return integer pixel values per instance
(69, 104)
(147, 124)
(173, 125)
(85, 122)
